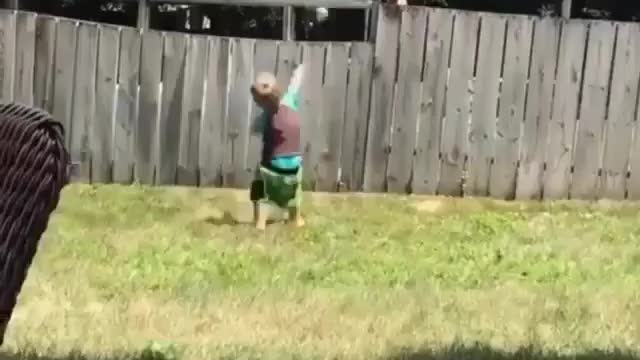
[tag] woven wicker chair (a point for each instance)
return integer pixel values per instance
(34, 168)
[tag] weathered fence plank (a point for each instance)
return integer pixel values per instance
(7, 54)
(332, 123)
(620, 122)
(455, 134)
(173, 71)
(146, 131)
(65, 61)
(101, 125)
(193, 91)
(533, 144)
(426, 172)
(380, 114)
(213, 129)
(84, 98)
(126, 106)
(238, 117)
(407, 99)
(44, 72)
(352, 154)
(482, 135)
(25, 57)
(265, 60)
(512, 107)
(593, 109)
(565, 106)
(312, 113)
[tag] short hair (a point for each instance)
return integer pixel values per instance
(266, 87)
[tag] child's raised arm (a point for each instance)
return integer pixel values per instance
(296, 79)
(292, 97)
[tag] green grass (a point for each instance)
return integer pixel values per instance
(125, 270)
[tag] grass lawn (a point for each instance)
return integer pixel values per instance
(127, 269)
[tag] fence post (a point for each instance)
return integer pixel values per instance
(372, 22)
(12, 4)
(566, 9)
(143, 14)
(288, 23)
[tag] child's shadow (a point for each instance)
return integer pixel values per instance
(229, 219)
(225, 219)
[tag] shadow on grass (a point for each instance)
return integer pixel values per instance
(74, 356)
(455, 352)
(484, 352)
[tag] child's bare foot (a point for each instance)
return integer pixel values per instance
(295, 218)
(300, 221)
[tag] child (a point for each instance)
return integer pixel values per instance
(279, 175)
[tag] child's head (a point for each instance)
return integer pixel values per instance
(266, 92)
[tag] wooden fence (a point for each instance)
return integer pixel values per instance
(504, 105)
(171, 108)
(455, 103)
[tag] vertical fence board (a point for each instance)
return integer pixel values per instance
(101, 125)
(352, 154)
(512, 107)
(565, 107)
(191, 116)
(238, 120)
(146, 131)
(538, 111)
(407, 99)
(65, 61)
(312, 113)
(426, 171)
(620, 120)
(593, 107)
(25, 57)
(7, 54)
(84, 98)
(622, 110)
(265, 60)
(173, 71)
(381, 111)
(213, 127)
(455, 134)
(332, 123)
(126, 106)
(44, 73)
(485, 101)
(633, 181)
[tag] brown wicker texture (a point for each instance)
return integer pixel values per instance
(33, 171)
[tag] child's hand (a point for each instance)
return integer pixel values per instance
(296, 78)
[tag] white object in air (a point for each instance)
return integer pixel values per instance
(322, 14)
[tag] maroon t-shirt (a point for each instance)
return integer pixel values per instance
(281, 136)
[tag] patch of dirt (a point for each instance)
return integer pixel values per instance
(430, 205)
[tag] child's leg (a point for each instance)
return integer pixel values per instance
(295, 216)
(257, 194)
(261, 215)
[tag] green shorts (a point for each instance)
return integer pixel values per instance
(284, 190)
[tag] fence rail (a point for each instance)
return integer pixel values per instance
(445, 101)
